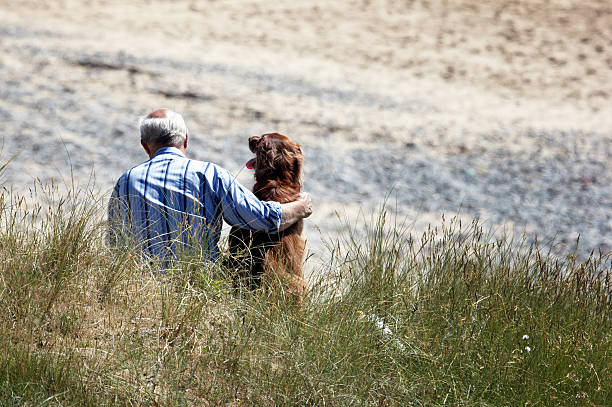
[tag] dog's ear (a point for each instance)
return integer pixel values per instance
(289, 159)
(287, 154)
(266, 156)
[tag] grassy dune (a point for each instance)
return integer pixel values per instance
(452, 317)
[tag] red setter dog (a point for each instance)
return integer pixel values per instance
(259, 257)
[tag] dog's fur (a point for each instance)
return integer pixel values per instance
(261, 258)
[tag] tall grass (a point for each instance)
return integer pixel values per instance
(451, 317)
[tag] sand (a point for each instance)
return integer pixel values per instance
(493, 110)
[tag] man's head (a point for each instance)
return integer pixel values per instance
(163, 128)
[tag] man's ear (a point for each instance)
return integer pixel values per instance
(146, 147)
(186, 140)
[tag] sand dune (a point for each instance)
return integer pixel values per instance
(497, 110)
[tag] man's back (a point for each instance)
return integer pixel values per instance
(170, 204)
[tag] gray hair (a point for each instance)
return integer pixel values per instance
(164, 131)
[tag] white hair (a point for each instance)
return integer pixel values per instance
(164, 131)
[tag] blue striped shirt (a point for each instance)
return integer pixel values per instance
(171, 205)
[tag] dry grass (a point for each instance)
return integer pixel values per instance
(452, 318)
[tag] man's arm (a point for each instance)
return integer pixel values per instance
(296, 210)
(241, 208)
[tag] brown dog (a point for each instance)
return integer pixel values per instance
(259, 257)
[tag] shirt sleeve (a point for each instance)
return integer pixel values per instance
(114, 218)
(241, 208)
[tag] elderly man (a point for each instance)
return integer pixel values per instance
(173, 205)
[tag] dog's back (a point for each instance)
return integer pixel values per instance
(259, 257)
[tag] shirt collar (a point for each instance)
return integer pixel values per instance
(168, 150)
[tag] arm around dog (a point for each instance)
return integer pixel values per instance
(241, 208)
(296, 210)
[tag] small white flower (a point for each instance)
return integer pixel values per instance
(525, 337)
(528, 348)
(381, 326)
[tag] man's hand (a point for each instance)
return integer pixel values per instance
(305, 198)
(296, 210)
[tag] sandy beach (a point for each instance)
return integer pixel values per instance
(500, 111)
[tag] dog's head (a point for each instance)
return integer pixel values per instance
(276, 157)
